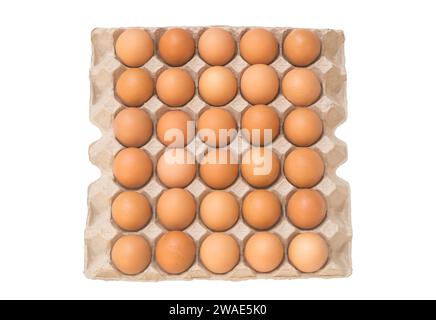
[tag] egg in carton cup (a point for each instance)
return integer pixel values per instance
(104, 238)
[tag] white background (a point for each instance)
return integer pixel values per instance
(44, 169)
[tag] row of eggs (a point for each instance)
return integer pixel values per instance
(175, 252)
(217, 127)
(218, 86)
(218, 168)
(219, 210)
(216, 46)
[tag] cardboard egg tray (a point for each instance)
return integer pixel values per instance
(102, 232)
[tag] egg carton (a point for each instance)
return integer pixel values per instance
(101, 232)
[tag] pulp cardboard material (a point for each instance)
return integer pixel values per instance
(101, 231)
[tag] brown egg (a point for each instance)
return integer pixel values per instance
(176, 168)
(131, 211)
(259, 46)
(132, 168)
(304, 168)
(131, 254)
(259, 84)
(175, 209)
(175, 129)
(133, 127)
(261, 125)
(308, 252)
(219, 210)
(261, 209)
(264, 252)
(306, 209)
(175, 87)
(219, 168)
(134, 47)
(175, 252)
(303, 127)
(217, 86)
(301, 87)
(260, 167)
(216, 46)
(219, 253)
(176, 47)
(217, 127)
(134, 87)
(301, 47)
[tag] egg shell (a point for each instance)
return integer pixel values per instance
(132, 127)
(219, 210)
(134, 87)
(261, 209)
(306, 208)
(132, 168)
(301, 47)
(217, 86)
(301, 87)
(303, 127)
(217, 127)
(308, 252)
(131, 254)
(219, 168)
(175, 87)
(216, 46)
(175, 129)
(219, 253)
(264, 251)
(131, 211)
(259, 84)
(260, 124)
(176, 168)
(176, 47)
(134, 47)
(176, 209)
(175, 252)
(260, 167)
(258, 46)
(304, 167)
